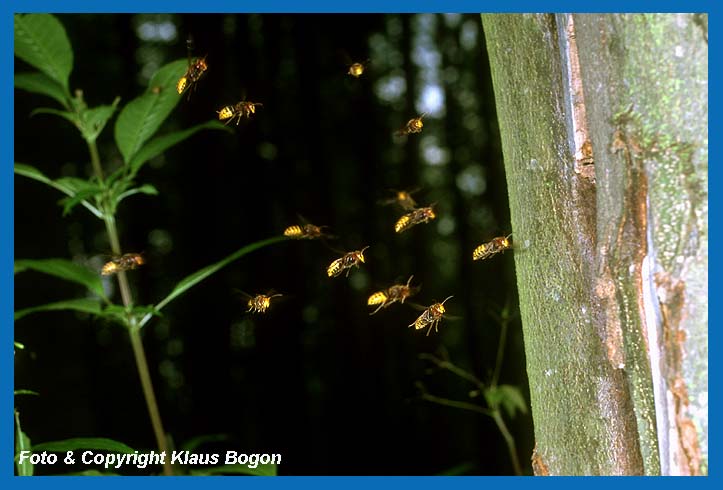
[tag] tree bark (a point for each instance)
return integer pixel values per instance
(603, 121)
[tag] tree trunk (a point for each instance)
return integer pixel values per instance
(604, 124)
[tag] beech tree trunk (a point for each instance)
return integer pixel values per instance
(604, 125)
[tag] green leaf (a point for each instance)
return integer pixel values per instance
(510, 397)
(22, 443)
(83, 191)
(41, 41)
(86, 305)
(142, 116)
(92, 121)
(96, 443)
(41, 84)
(26, 392)
(144, 189)
(122, 315)
(189, 281)
(65, 269)
(237, 469)
(31, 172)
(57, 112)
(75, 184)
(61, 184)
(158, 145)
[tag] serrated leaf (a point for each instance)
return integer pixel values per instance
(39, 83)
(189, 281)
(97, 443)
(158, 145)
(22, 443)
(65, 269)
(41, 41)
(94, 120)
(142, 116)
(85, 305)
(237, 469)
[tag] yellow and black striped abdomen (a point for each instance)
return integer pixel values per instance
(483, 251)
(293, 231)
(335, 268)
(377, 298)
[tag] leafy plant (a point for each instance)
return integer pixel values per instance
(41, 41)
(498, 398)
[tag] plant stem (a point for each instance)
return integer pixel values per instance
(456, 404)
(494, 414)
(511, 448)
(125, 288)
(134, 329)
(449, 366)
(504, 321)
(95, 160)
(150, 396)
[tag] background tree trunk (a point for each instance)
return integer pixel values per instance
(604, 123)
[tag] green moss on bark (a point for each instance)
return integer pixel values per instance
(584, 422)
(611, 274)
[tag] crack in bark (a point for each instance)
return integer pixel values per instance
(584, 161)
(671, 295)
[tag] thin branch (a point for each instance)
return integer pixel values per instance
(449, 366)
(494, 414)
(452, 403)
(511, 447)
(504, 321)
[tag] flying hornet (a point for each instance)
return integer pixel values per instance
(394, 293)
(431, 316)
(419, 215)
(357, 68)
(307, 231)
(125, 262)
(403, 199)
(494, 246)
(258, 303)
(346, 262)
(196, 68)
(238, 111)
(413, 126)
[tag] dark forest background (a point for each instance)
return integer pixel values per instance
(316, 379)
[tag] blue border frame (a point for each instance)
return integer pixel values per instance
(368, 6)
(8, 7)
